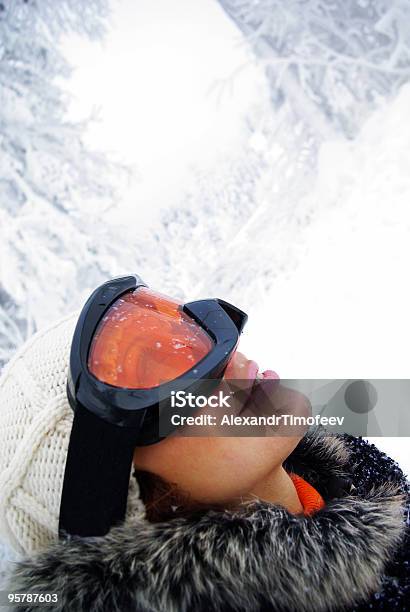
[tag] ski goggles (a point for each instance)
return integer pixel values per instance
(131, 348)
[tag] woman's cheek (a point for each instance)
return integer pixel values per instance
(231, 467)
(209, 469)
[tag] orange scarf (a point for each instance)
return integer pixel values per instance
(310, 499)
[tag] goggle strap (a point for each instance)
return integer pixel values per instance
(97, 473)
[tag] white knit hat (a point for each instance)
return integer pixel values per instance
(35, 425)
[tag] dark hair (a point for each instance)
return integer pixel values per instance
(163, 500)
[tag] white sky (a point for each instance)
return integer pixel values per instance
(154, 81)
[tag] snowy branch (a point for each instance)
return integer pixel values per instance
(51, 185)
(345, 55)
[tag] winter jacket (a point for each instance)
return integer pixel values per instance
(351, 555)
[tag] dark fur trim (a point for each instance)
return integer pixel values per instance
(258, 558)
(321, 458)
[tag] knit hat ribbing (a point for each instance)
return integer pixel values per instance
(35, 425)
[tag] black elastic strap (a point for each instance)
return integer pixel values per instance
(97, 473)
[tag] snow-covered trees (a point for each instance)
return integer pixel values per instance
(239, 228)
(52, 189)
(331, 60)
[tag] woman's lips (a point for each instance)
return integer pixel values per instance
(270, 374)
(261, 383)
(266, 375)
(252, 373)
(244, 379)
(262, 391)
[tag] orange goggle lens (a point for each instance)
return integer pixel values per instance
(144, 340)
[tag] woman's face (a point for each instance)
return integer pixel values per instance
(215, 469)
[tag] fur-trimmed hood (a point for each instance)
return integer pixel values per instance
(260, 557)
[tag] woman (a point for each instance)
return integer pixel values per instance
(315, 522)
